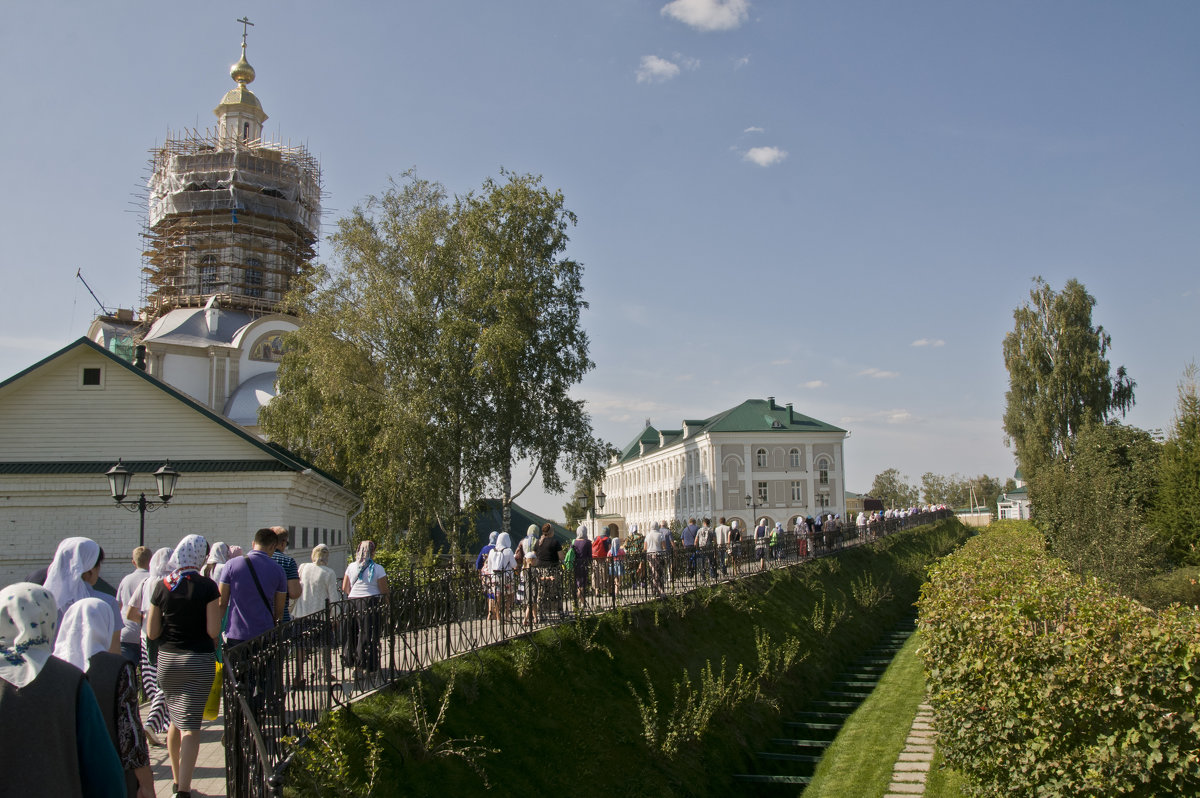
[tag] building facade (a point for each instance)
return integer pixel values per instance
(759, 459)
(65, 420)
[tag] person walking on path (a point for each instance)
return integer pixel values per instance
(366, 581)
(185, 613)
(131, 586)
(288, 564)
(156, 721)
(55, 741)
(83, 641)
(73, 575)
(721, 536)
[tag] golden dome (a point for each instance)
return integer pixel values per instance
(242, 72)
(239, 95)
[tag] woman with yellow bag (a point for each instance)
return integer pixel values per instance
(185, 617)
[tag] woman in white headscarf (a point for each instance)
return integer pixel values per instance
(583, 562)
(217, 558)
(72, 575)
(185, 617)
(364, 579)
(83, 642)
(54, 728)
(502, 564)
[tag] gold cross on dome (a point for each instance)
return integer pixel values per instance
(246, 25)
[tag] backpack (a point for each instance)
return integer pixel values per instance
(569, 560)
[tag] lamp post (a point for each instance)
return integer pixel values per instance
(753, 510)
(585, 503)
(118, 486)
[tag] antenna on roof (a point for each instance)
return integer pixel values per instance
(104, 310)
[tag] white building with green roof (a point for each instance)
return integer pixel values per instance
(758, 459)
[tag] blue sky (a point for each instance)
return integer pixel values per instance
(837, 204)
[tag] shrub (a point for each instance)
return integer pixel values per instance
(1047, 683)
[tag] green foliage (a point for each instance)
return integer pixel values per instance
(1058, 374)
(1092, 504)
(441, 353)
(867, 594)
(893, 489)
(1046, 683)
(692, 708)
(342, 760)
(1177, 508)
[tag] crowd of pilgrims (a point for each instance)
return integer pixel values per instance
(71, 656)
(510, 575)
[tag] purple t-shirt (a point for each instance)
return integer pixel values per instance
(249, 615)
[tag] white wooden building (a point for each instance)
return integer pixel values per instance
(65, 420)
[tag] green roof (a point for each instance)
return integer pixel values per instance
(752, 415)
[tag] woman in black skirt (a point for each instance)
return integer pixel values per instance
(185, 619)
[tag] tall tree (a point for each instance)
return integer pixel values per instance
(1177, 507)
(1059, 374)
(531, 348)
(893, 489)
(404, 376)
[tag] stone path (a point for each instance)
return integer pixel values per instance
(209, 778)
(912, 766)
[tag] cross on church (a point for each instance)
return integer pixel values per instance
(246, 25)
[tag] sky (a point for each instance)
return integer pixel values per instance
(837, 204)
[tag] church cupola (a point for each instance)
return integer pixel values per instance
(240, 114)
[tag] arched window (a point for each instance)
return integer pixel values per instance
(761, 457)
(208, 272)
(794, 458)
(823, 471)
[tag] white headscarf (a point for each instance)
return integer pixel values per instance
(531, 536)
(581, 533)
(64, 578)
(87, 627)
(160, 569)
(28, 625)
(189, 556)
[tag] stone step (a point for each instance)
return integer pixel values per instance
(761, 778)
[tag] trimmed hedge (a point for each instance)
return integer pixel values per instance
(1045, 683)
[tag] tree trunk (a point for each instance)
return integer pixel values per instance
(506, 502)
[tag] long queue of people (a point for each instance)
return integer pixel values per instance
(71, 656)
(538, 574)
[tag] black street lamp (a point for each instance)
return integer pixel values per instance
(118, 486)
(753, 510)
(585, 503)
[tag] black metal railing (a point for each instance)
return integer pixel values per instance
(284, 681)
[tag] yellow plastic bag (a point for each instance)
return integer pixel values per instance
(212, 707)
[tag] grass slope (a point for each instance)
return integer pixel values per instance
(558, 708)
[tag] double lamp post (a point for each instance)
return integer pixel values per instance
(118, 485)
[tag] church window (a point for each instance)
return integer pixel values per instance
(245, 131)
(208, 272)
(794, 458)
(762, 458)
(823, 471)
(762, 493)
(797, 491)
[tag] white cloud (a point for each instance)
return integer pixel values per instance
(815, 384)
(708, 15)
(782, 362)
(741, 62)
(878, 373)
(656, 70)
(753, 129)
(928, 342)
(765, 156)
(688, 63)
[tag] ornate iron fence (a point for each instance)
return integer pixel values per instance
(283, 682)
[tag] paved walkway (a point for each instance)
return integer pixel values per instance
(912, 766)
(209, 779)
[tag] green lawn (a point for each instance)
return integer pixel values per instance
(860, 761)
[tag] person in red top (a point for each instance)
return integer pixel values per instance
(600, 575)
